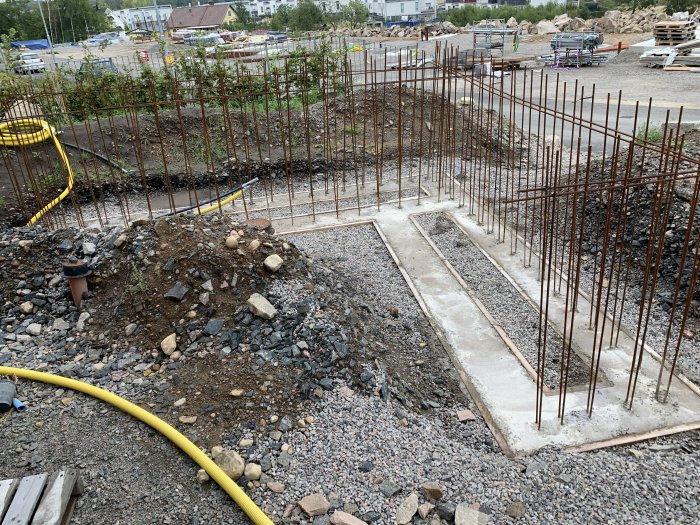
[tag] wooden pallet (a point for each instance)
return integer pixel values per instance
(40, 499)
(670, 33)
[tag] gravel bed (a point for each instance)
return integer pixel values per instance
(649, 483)
(342, 248)
(131, 473)
(510, 310)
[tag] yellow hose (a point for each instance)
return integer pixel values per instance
(256, 515)
(218, 205)
(28, 131)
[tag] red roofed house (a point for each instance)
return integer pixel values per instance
(209, 16)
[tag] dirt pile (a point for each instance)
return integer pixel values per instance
(193, 278)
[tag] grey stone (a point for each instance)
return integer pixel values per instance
(445, 510)
(407, 509)
(389, 488)
(34, 329)
(89, 248)
(60, 324)
(177, 293)
(465, 515)
(371, 516)
(82, 319)
(214, 326)
(432, 490)
(365, 466)
(261, 306)
(516, 509)
(286, 424)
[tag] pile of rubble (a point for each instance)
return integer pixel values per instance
(614, 21)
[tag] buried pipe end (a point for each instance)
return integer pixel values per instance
(76, 269)
(18, 405)
(76, 272)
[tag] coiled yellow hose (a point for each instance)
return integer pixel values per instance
(256, 515)
(28, 131)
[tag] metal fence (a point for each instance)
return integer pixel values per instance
(546, 166)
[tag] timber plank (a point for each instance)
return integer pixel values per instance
(28, 494)
(53, 505)
(7, 490)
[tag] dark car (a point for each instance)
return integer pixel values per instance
(273, 36)
(97, 67)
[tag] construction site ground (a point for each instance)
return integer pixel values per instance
(356, 388)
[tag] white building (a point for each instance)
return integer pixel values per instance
(140, 17)
(266, 8)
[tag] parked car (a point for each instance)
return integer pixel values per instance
(28, 63)
(273, 36)
(97, 67)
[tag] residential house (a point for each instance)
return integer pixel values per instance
(206, 17)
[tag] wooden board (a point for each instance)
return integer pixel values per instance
(62, 485)
(7, 490)
(28, 494)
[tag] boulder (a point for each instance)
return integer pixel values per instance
(545, 27)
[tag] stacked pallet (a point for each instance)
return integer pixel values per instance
(678, 55)
(672, 33)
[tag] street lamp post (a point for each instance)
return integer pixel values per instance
(48, 36)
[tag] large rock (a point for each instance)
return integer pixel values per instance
(314, 504)
(561, 21)
(449, 27)
(610, 22)
(465, 515)
(545, 27)
(169, 344)
(407, 509)
(231, 463)
(512, 23)
(261, 306)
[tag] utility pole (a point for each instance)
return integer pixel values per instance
(160, 32)
(48, 36)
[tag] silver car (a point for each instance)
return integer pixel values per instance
(28, 63)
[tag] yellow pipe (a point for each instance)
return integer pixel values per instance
(24, 132)
(218, 205)
(256, 515)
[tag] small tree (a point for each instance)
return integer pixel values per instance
(280, 20)
(355, 13)
(675, 6)
(5, 47)
(306, 17)
(243, 18)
